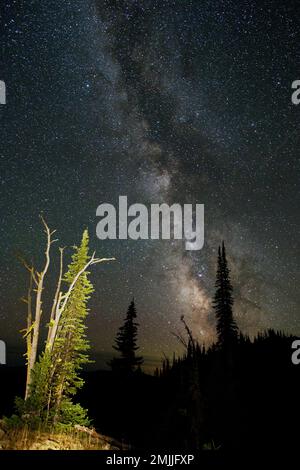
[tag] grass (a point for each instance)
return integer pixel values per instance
(26, 439)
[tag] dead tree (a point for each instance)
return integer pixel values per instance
(33, 321)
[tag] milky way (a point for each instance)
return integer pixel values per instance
(162, 101)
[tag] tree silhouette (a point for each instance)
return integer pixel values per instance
(227, 329)
(126, 340)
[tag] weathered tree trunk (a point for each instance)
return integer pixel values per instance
(38, 310)
(56, 298)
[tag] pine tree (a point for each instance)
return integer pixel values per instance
(126, 340)
(70, 346)
(227, 330)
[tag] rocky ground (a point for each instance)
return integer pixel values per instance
(80, 438)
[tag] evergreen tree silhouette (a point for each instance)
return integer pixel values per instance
(227, 329)
(126, 344)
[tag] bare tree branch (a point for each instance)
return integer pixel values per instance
(29, 268)
(65, 297)
(180, 338)
(189, 333)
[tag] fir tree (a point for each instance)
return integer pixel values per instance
(71, 345)
(227, 330)
(126, 340)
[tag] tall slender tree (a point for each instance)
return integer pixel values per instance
(227, 329)
(126, 344)
(70, 346)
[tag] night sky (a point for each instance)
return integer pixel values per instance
(162, 101)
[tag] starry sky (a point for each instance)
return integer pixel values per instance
(162, 101)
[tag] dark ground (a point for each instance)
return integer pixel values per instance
(195, 403)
